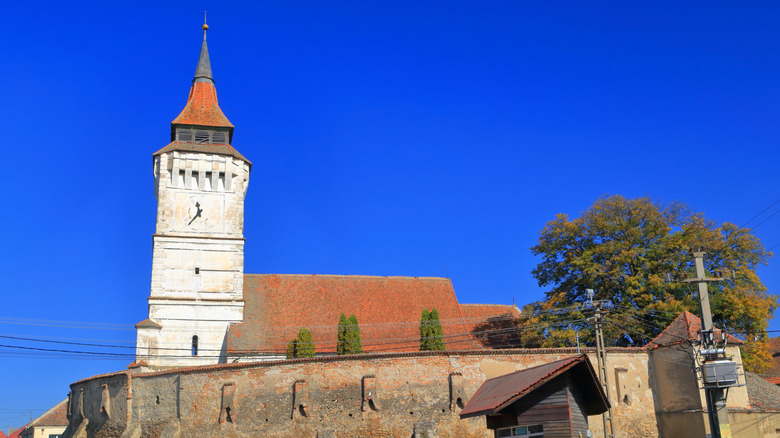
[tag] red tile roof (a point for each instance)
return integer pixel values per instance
(388, 311)
(774, 350)
(202, 108)
(481, 312)
(499, 392)
(763, 396)
(2, 434)
(137, 364)
(148, 323)
(222, 149)
(494, 325)
(684, 328)
(775, 380)
(56, 416)
(17, 432)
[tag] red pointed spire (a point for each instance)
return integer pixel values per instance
(202, 108)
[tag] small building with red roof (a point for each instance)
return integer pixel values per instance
(681, 406)
(49, 425)
(553, 399)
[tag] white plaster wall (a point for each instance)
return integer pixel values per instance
(223, 214)
(46, 431)
(220, 263)
(171, 345)
(198, 259)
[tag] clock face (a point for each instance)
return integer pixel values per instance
(198, 213)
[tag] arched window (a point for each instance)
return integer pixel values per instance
(195, 345)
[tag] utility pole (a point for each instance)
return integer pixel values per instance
(719, 372)
(601, 360)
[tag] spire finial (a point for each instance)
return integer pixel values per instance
(203, 72)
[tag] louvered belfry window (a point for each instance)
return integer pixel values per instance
(185, 135)
(201, 136)
(218, 137)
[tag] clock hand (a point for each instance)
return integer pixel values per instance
(197, 214)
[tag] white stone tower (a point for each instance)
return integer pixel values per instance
(198, 262)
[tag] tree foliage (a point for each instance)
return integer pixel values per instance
(302, 345)
(348, 341)
(353, 336)
(431, 333)
(291, 348)
(341, 337)
(635, 254)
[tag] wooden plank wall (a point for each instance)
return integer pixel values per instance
(579, 420)
(548, 405)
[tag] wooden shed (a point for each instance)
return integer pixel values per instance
(550, 400)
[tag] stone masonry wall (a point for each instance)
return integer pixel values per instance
(379, 395)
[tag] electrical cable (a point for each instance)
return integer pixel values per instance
(759, 214)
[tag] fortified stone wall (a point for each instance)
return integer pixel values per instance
(379, 395)
(101, 403)
(631, 393)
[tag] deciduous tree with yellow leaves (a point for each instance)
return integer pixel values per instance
(635, 253)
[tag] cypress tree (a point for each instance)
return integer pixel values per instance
(291, 348)
(436, 332)
(424, 331)
(341, 339)
(353, 345)
(304, 347)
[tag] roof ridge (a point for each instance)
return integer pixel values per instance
(486, 304)
(48, 413)
(691, 325)
(349, 276)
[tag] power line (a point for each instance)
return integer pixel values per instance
(769, 217)
(115, 326)
(384, 344)
(759, 214)
(65, 324)
(18, 338)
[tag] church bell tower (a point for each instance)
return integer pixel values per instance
(198, 261)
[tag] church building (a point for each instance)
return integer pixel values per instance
(203, 308)
(211, 356)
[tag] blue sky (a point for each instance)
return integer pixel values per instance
(388, 138)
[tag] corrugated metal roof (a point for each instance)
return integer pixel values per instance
(497, 393)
